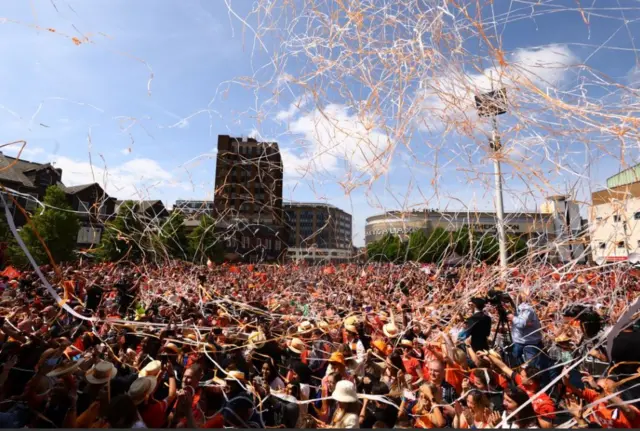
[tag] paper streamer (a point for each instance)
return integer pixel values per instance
(36, 268)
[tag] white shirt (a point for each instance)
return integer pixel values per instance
(349, 421)
(277, 384)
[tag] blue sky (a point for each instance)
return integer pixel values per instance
(138, 104)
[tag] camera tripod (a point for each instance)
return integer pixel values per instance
(503, 327)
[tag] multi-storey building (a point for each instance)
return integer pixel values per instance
(615, 218)
(192, 207)
(318, 231)
(248, 197)
(557, 227)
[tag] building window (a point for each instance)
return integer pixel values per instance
(620, 244)
(31, 205)
(616, 218)
(245, 242)
(88, 235)
(277, 245)
(83, 206)
(258, 242)
(268, 244)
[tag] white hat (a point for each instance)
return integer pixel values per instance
(296, 345)
(151, 369)
(65, 369)
(390, 330)
(305, 326)
(101, 373)
(141, 388)
(345, 392)
(406, 343)
(234, 375)
(351, 328)
(257, 339)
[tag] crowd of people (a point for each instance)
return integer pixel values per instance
(297, 346)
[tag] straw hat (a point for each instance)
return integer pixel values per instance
(296, 345)
(351, 321)
(101, 373)
(305, 326)
(257, 339)
(337, 358)
(390, 330)
(234, 375)
(65, 369)
(351, 328)
(151, 369)
(323, 326)
(142, 388)
(345, 392)
(563, 338)
(173, 348)
(380, 345)
(406, 343)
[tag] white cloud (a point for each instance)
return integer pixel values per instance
(293, 109)
(135, 179)
(27, 151)
(334, 139)
(448, 99)
(546, 66)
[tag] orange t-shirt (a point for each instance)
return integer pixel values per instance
(543, 405)
(454, 375)
(606, 416)
(411, 366)
(421, 421)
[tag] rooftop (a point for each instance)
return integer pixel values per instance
(618, 193)
(628, 176)
(14, 170)
(399, 215)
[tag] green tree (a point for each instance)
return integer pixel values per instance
(394, 249)
(57, 225)
(462, 239)
(122, 236)
(174, 237)
(487, 249)
(438, 242)
(416, 244)
(517, 248)
(204, 243)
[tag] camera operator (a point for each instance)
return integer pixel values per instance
(526, 332)
(478, 326)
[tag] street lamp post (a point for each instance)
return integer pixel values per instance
(491, 105)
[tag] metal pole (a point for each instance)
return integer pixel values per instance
(499, 205)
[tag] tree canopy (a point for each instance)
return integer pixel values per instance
(57, 225)
(204, 243)
(437, 245)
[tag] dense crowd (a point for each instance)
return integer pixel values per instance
(296, 346)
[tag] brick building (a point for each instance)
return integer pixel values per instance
(318, 232)
(248, 198)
